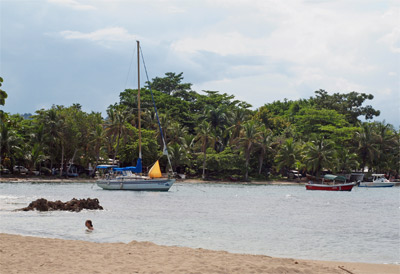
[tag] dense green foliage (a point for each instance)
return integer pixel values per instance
(208, 134)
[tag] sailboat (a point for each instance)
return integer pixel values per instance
(131, 178)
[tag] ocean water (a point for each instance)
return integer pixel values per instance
(276, 220)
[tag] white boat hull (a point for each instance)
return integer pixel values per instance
(378, 180)
(136, 184)
(376, 184)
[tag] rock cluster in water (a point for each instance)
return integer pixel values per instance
(73, 205)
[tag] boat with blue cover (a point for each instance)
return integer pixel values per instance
(113, 177)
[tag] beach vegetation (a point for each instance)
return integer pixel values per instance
(208, 134)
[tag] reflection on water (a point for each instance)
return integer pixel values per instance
(281, 221)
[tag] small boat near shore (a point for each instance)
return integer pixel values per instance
(378, 180)
(125, 178)
(329, 183)
(136, 184)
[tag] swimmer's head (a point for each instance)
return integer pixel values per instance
(89, 224)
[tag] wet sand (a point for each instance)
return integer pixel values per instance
(23, 254)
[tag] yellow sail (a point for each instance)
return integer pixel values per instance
(155, 171)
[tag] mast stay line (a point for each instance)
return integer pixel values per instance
(165, 150)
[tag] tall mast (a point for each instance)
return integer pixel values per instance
(139, 124)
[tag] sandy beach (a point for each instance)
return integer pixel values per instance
(23, 254)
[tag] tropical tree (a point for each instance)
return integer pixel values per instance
(176, 133)
(3, 97)
(36, 156)
(319, 154)
(385, 141)
(36, 153)
(170, 84)
(115, 125)
(366, 145)
(250, 136)
(287, 155)
(350, 104)
(11, 144)
(217, 116)
(264, 146)
(3, 94)
(97, 140)
(178, 155)
(204, 138)
(346, 160)
(236, 119)
(314, 121)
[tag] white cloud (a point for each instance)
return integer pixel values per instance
(259, 50)
(115, 34)
(322, 44)
(73, 4)
(392, 39)
(387, 92)
(391, 36)
(256, 90)
(230, 43)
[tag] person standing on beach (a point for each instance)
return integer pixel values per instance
(89, 225)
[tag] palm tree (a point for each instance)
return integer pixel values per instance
(115, 125)
(347, 161)
(287, 155)
(265, 145)
(319, 154)
(366, 146)
(97, 139)
(178, 155)
(54, 137)
(36, 154)
(3, 95)
(249, 137)
(176, 133)
(11, 144)
(386, 142)
(217, 116)
(204, 137)
(237, 118)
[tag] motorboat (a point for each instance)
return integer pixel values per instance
(378, 180)
(331, 183)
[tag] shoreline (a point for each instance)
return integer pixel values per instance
(27, 254)
(25, 179)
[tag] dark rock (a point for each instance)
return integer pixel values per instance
(73, 205)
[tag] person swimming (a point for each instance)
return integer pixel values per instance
(89, 225)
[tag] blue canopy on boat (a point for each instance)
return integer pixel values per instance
(135, 169)
(106, 166)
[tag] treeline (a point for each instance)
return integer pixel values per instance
(209, 134)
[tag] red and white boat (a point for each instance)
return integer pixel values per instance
(329, 183)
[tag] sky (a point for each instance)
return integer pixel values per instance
(63, 52)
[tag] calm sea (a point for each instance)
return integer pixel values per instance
(276, 220)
